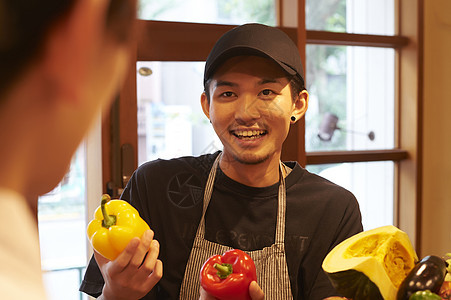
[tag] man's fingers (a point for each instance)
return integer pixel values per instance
(255, 291)
(123, 260)
(149, 274)
(156, 274)
(148, 265)
(140, 253)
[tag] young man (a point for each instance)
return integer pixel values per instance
(243, 197)
(61, 64)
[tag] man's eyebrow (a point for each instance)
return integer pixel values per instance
(225, 83)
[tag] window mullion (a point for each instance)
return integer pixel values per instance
(329, 157)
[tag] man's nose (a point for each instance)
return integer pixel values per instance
(248, 110)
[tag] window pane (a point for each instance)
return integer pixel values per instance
(62, 232)
(209, 11)
(64, 284)
(351, 103)
(352, 16)
(372, 184)
(171, 122)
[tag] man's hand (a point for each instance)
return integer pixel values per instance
(255, 292)
(134, 272)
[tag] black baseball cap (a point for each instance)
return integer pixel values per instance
(255, 39)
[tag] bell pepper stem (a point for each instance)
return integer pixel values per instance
(108, 220)
(224, 270)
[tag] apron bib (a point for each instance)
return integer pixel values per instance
(270, 262)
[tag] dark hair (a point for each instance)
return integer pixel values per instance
(296, 86)
(24, 25)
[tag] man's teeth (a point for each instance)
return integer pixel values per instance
(249, 133)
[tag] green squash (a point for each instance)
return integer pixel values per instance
(371, 264)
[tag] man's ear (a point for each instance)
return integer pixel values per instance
(71, 45)
(300, 105)
(205, 104)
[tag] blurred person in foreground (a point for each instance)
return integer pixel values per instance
(243, 197)
(61, 63)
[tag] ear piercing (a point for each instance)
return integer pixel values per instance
(293, 118)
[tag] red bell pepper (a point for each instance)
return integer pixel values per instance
(228, 276)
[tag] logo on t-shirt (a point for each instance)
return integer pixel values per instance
(185, 190)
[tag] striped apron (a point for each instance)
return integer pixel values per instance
(270, 262)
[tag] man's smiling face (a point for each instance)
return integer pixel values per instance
(250, 108)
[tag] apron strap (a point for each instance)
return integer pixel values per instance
(281, 206)
(280, 223)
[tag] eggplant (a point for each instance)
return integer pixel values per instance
(428, 274)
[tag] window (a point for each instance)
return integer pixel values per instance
(371, 183)
(352, 100)
(351, 16)
(171, 122)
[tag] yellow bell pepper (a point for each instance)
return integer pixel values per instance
(115, 223)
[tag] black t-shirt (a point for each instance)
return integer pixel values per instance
(168, 195)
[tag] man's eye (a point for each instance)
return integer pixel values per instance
(227, 94)
(266, 92)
